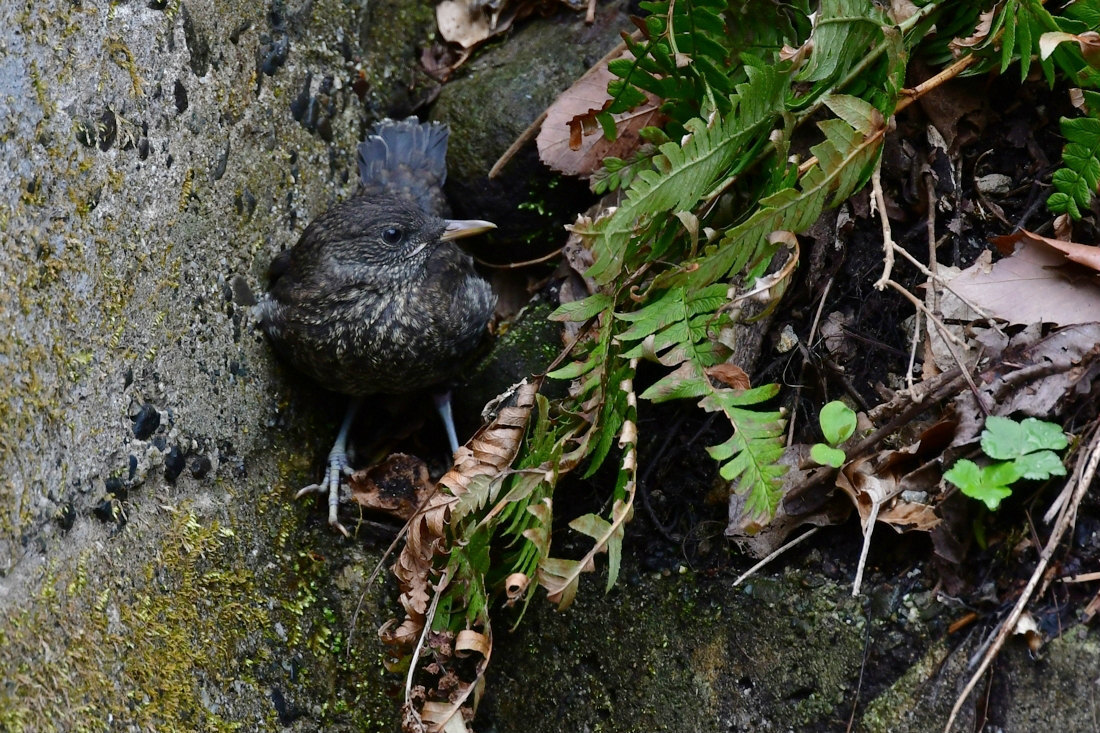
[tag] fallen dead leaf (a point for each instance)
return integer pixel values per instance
(467, 23)
(730, 375)
(396, 486)
(875, 488)
(572, 142)
(1032, 285)
(1083, 254)
(1035, 376)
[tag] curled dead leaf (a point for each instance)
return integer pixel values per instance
(486, 457)
(979, 36)
(515, 586)
(875, 489)
(469, 642)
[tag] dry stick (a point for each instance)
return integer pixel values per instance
(774, 554)
(930, 228)
(913, 350)
(887, 236)
(1083, 476)
(947, 286)
(871, 519)
(912, 95)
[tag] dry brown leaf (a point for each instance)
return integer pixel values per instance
(1088, 42)
(1031, 285)
(466, 23)
(981, 32)
(1082, 254)
(730, 375)
(571, 141)
(1035, 377)
(469, 641)
(867, 487)
(902, 10)
(487, 455)
(396, 486)
(515, 587)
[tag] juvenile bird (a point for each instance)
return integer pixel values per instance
(376, 297)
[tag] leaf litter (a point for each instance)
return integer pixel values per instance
(1020, 340)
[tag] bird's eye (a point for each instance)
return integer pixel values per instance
(393, 235)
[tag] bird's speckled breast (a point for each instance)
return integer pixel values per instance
(393, 342)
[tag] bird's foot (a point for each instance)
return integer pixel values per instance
(337, 468)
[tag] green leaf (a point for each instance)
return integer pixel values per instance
(1006, 439)
(838, 422)
(827, 455)
(1040, 466)
(583, 309)
(846, 160)
(690, 171)
(844, 33)
(965, 474)
(1075, 183)
(1002, 438)
(989, 484)
(1043, 435)
(863, 117)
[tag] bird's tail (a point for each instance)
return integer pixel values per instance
(406, 158)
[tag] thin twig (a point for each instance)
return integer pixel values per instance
(939, 279)
(871, 519)
(775, 553)
(887, 237)
(809, 340)
(948, 337)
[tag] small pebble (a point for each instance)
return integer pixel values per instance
(146, 421)
(174, 463)
(200, 467)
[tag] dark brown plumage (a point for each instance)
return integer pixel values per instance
(376, 297)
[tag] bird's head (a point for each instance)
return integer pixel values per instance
(382, 239)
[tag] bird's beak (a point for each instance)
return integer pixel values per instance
(459, 228)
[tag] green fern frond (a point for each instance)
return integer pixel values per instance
(751, 455)
(1075, 183)
(845, 160)
(679, 329)
(844, 34)
(688, 173)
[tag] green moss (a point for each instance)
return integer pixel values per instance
(140, 648)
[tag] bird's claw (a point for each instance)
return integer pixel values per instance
(337, 468)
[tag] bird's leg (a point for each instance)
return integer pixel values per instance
(337, 468)
(443, 404)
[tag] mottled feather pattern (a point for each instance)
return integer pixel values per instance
(362, 310)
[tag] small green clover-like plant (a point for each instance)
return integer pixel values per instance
(1019, 450)
(838, 422)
